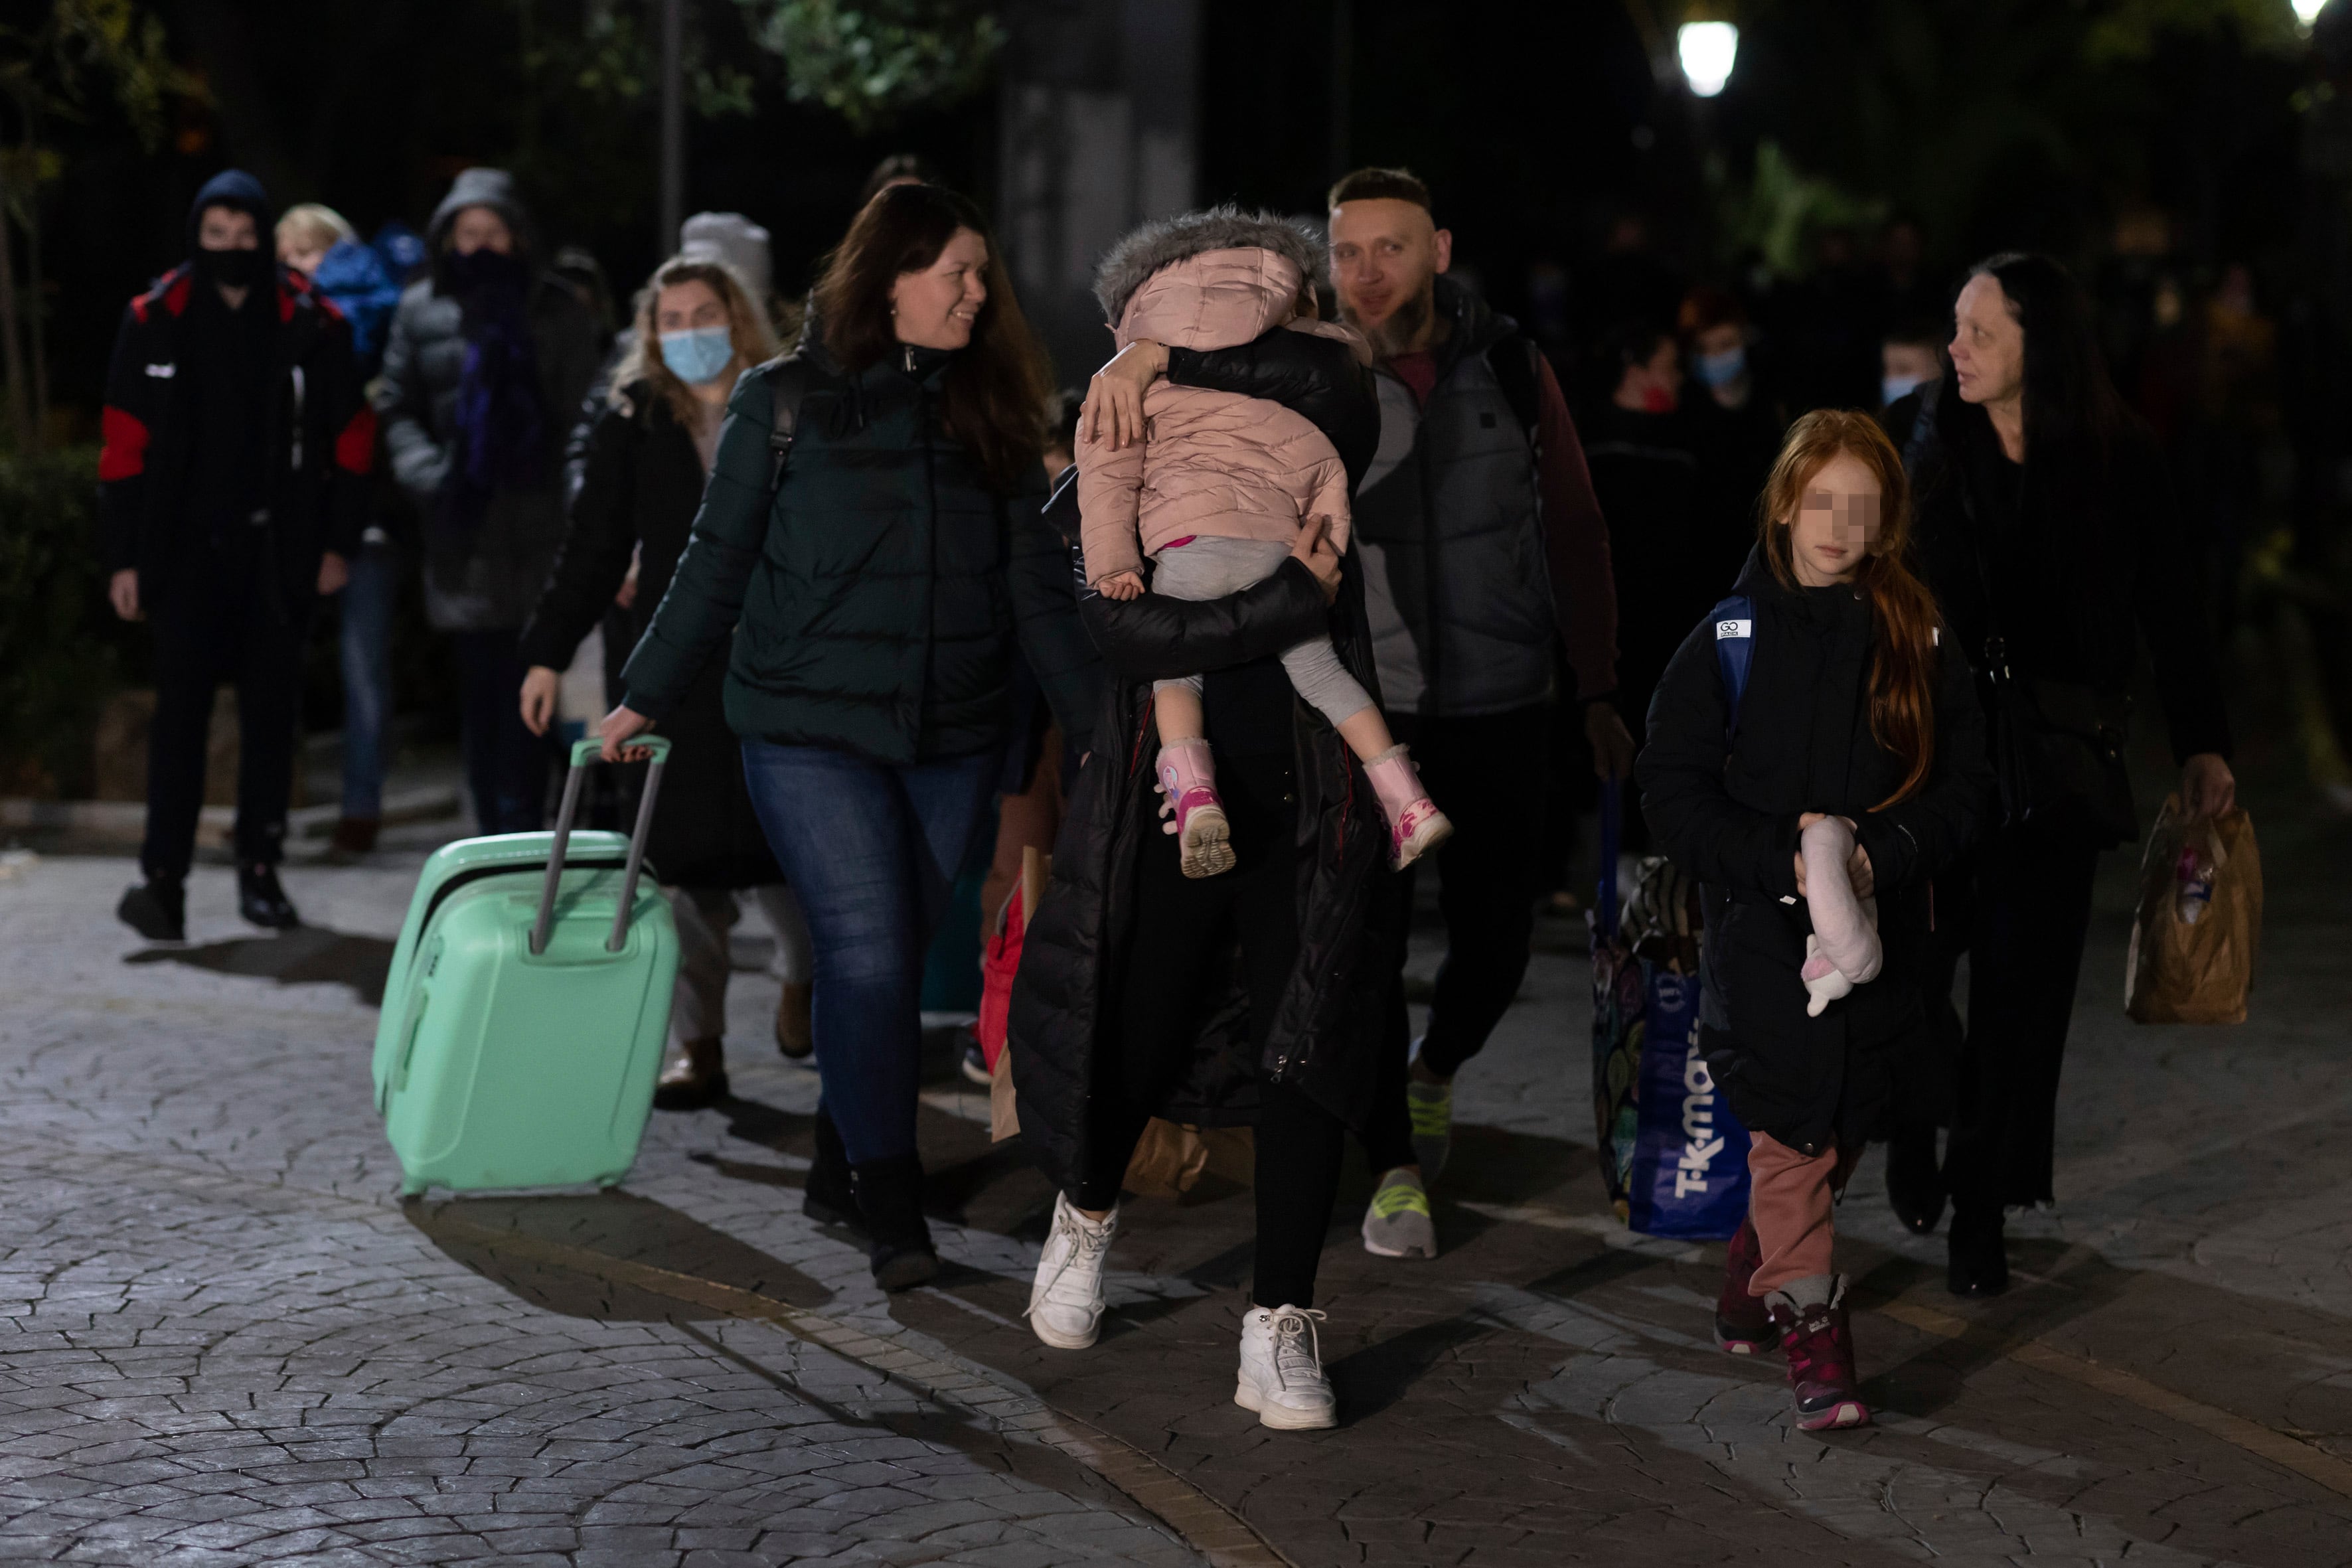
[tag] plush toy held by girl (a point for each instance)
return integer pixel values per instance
(1216, 493)
(1853, 772)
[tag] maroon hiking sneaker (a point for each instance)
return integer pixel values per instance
(1819, 1343)
(1742, 1325)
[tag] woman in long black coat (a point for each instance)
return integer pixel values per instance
(2050, 535)
(647, 453)
(1248, 998)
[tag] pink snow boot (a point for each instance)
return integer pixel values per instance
(1188, 777)
(1415, 825)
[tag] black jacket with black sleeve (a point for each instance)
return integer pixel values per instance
(1725, 807)
(639, 484)
(1328, 1023)
(2107, 564)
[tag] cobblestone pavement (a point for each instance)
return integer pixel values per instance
(225, 1341)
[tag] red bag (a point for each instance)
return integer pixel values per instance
(999, 961)
(1001, 958)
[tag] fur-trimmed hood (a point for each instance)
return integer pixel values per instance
(1162, 241)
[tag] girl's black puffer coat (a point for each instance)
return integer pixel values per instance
(1725, 807)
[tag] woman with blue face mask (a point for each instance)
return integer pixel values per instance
(643, 456)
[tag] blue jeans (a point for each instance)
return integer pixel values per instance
(367, 676)
(872, 850)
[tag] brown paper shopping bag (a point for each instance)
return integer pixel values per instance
(2201, 920)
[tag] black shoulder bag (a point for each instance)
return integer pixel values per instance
(2057, 745)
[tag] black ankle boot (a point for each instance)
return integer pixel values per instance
(261, 901)
(698, 1077)
(157, 910)
(1978, 1261)
(1915, 1186)
(891, 1196)
(827, 1196)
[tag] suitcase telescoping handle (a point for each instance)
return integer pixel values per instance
(583, 754)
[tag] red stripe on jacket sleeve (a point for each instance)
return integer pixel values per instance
(355, 446)
(124, 454)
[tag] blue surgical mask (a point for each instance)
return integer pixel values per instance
(1720, 370)
(1892, 389)
(697, 355)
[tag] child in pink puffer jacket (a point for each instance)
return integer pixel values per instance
(1216, 493)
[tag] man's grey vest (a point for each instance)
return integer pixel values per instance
(1450, 525)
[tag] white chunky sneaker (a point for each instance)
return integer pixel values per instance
(1282, 1369)
(1066, 1303)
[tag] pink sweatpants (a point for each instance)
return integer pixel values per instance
(1791, 1197)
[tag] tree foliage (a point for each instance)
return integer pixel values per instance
(613, 54)
(59, 69)
(871, 60)
(1959, 110)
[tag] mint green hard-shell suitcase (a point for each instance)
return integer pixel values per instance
(528, 1004)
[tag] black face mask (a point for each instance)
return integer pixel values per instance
(231, 269)
(483, 270)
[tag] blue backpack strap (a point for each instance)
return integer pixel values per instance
(1735, 649)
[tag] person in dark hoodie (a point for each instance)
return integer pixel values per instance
(236, 446)
(489, 356)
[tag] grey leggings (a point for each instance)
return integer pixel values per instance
(1207, 567)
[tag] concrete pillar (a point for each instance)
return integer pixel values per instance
(1100, 129)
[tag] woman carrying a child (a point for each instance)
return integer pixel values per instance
(1852, 772)
(1211, 968)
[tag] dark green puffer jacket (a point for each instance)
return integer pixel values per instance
(875, 611)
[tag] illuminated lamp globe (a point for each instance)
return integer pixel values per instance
(1706, 49)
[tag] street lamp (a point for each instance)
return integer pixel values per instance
(1706, 49)
(2307, 11)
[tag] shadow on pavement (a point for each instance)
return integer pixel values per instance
(1379, 1375)
(2068, 1288)
(613, 1224)
(968, 1179)
(305, 955)
(631, 1230)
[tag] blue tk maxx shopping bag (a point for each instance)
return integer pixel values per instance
(1673, 1156)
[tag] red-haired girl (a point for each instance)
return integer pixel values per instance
(1851, 771)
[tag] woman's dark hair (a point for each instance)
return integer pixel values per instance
(996, 386)
(1628, 343)
(2071, 406)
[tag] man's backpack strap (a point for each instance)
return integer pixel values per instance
(788, 383)
(1735, 651)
